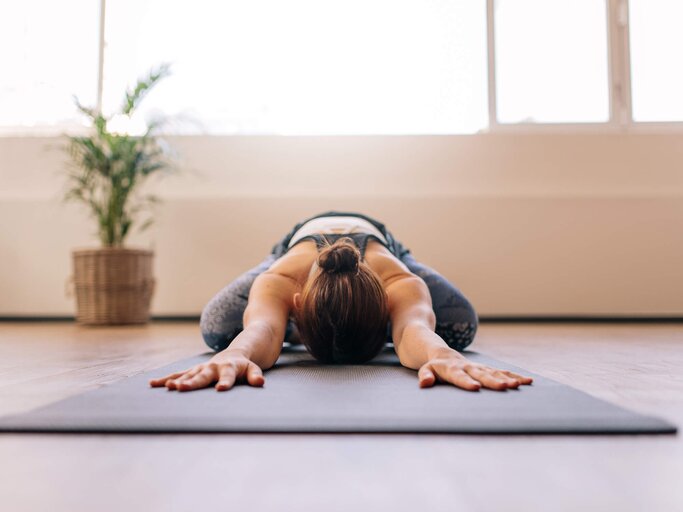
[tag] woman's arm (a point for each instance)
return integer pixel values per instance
(418, 347)
(412, 317)
(254, 349)
(265, 319)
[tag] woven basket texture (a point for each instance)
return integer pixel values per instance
(114, 286)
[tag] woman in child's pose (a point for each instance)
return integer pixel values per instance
(341, 284)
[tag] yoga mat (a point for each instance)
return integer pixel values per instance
(302, 396)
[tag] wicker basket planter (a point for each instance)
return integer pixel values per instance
(113, 286)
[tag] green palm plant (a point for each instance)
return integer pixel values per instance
(110, 167)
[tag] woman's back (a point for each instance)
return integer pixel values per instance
(297, 262)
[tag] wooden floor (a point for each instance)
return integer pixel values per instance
(639, 366)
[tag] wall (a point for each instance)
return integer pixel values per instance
(525, 224)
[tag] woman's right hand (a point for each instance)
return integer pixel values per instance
(223, 369)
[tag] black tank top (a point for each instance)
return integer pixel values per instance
(360, 239)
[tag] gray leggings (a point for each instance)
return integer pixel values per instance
(456, 319)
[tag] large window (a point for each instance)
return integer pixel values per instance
(656, 60)
(306, 66)
(49, 54)
(551, 61)
(329, 67)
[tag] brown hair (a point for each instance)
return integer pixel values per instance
(344, 310)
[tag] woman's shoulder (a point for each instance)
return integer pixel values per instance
(296, 262)
(387, 266)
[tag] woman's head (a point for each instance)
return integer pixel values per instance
(342, 311)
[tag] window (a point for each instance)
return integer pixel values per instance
(551, 61)
(305, 66)
(328, 67)
(49, 53)
(656, 41)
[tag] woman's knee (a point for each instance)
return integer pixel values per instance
(458, 335)
(221, 318)
(456, 320)
(219, 340)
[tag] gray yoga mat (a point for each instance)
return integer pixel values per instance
(303, 396)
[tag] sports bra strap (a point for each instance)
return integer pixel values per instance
(360, 239)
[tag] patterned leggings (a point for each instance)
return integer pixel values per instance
(456, 319)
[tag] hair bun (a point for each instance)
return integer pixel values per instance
(341, 256)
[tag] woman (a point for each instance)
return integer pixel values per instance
(342, 285)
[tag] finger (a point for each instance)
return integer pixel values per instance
(255, 375)
(487, 380)
(189, 374)
(162, 380)
(206, 376)
(173, 383)
(226, 377)
(462, 380)
(511, 382)
(521, 378)
(425, 376)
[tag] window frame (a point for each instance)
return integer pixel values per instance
(619, 86)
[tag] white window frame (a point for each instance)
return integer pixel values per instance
(100, 59)
(619, 84)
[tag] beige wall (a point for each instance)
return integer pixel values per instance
(524, 224)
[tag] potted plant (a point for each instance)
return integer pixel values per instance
(114, 283)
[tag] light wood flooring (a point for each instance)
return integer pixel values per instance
(639, 366)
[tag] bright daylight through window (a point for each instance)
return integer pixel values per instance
(656, 66)
(551, 61)
(46, 60)
(322, 67)
(306, 66)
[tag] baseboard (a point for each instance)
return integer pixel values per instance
(580, 319)
(67, 318)
(482, 319)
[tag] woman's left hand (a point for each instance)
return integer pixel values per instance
(459, 371)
